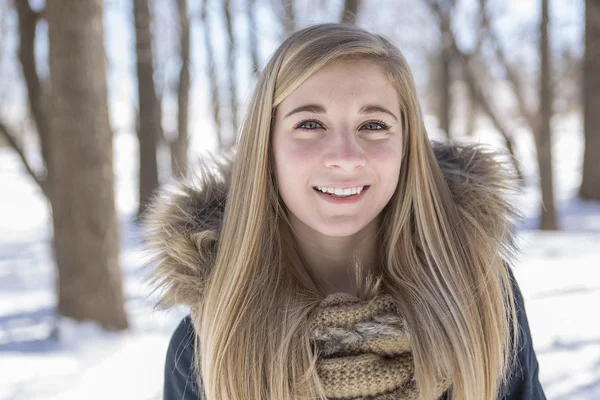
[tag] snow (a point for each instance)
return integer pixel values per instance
(45, 357)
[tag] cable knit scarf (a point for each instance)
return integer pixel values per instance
(364, 349)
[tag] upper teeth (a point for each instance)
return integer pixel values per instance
(341, 192)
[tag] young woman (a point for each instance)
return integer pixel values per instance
(341, 255)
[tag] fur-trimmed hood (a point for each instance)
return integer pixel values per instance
(183, 223)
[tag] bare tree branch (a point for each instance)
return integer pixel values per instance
(511, 74)
(28, 20)
(470, 78)
(27, 24)
(485, 104)
(477, 91)
(12, 141)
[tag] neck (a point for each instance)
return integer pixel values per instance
(330, 260)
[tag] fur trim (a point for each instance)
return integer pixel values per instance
(181, 227)
(183, 223)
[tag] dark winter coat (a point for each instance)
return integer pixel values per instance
(184, 261)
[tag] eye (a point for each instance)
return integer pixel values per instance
(309, 125)
(375, 126)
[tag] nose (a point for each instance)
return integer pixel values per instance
(344, 152)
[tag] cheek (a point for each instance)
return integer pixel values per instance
(298, 153)
(291, 166)
(386, 161)
(385, 154)
(386, 157)
(291, 159)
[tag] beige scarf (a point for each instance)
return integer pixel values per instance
(364, 349)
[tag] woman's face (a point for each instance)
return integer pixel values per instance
(341, 132)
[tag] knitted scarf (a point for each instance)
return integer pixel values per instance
(364, 349)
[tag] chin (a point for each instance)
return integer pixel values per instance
(339, 229)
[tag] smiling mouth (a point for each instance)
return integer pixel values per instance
(342, 196)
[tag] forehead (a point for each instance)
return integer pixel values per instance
(345, 83)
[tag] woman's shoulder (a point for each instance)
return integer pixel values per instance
(523, 380)
(179, 375)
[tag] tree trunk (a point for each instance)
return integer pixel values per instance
(350, 11)
(543, 137)
(471, 113)
(179, 148)
(149, 116)
(590, 184)
(446, 79)
(85, 224)
(231, 63)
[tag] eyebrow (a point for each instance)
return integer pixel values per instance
(313, 108)
(319, 109)
(373, 108)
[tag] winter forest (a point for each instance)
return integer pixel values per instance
(104, 101)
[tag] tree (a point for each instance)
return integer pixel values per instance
(231, 69)
(179, 146)
(476, 85)
(538, 121)
(212, 74)
(590, 183)
(71, 117)
(350, 11)
(150, 128)
(445, 11)
(543, 136)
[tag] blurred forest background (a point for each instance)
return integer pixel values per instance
(174, 77)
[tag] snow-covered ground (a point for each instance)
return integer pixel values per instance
(557, 273)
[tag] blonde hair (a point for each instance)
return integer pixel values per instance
(443, 266)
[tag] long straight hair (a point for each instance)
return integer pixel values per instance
(442, 265)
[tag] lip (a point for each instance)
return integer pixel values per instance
(340, 200)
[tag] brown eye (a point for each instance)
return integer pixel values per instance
(308, 125)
